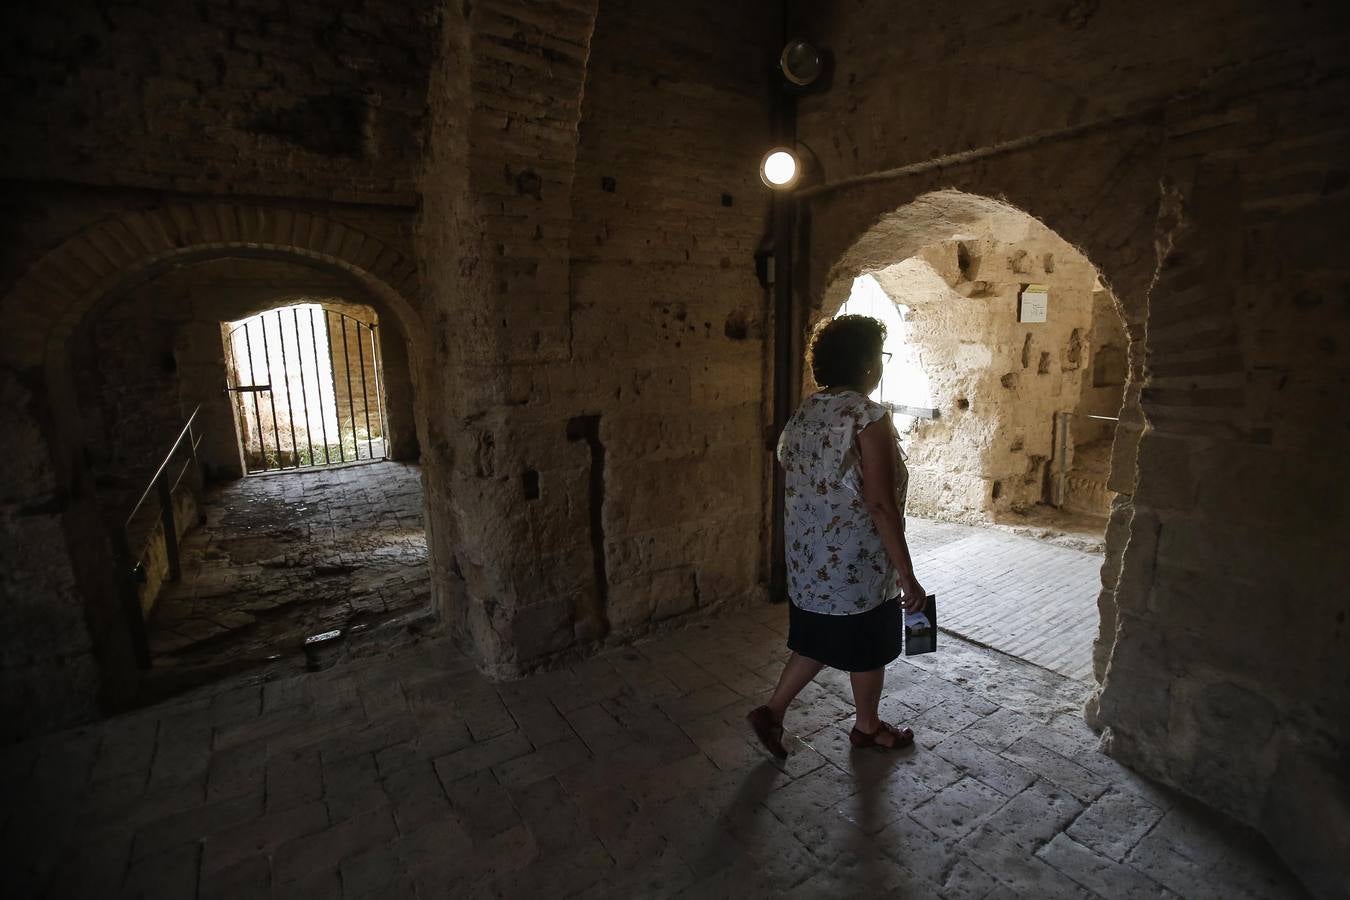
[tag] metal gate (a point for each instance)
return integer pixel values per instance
(305, 381)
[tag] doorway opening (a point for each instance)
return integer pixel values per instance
(307, 386)
(1006, 379)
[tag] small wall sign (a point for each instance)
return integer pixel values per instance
(1033, 303)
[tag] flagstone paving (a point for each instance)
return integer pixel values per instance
(283, 556)
(631, 774)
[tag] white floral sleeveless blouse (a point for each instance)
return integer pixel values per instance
(836, 563)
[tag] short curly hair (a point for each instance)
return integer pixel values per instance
(841, 349)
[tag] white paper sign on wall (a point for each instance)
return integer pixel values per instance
(1033, 303)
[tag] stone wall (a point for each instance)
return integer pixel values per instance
(219, 96)
(996, 383)
(1204, 186)
(593, 281)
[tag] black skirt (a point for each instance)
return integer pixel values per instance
(859, 642)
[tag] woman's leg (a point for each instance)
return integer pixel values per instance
(797, 674)
(866, 696)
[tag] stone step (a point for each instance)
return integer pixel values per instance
(1087, 493)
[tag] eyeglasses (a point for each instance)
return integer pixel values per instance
(885, 357)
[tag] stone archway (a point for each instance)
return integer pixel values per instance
(1010, 392)
(864, 238)
(77, 656)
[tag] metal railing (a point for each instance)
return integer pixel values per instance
(130, 570)
(918, 412)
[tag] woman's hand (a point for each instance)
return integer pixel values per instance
(913, 596)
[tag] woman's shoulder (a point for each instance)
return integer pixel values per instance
(860, 408)
(841, 407)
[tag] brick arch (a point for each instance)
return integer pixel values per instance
(47, 302)
(1099, 192)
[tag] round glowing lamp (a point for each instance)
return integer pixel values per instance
(780, 169)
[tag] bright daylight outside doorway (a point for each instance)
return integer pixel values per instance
(307, 386)
(1007, 429)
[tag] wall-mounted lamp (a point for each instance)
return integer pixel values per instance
(780, 169)
(801, 63)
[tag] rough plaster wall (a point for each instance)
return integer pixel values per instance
(607, 430)
(996, 382)
(1232, 174)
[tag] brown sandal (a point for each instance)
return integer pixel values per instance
(769, 732)
(902, 737)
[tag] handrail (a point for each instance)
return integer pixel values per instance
(128, 565)
(187, 429)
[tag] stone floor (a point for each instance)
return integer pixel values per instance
(630, 775)
(1032, 599)
(284, 556)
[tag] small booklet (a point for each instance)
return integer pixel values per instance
(921, 628)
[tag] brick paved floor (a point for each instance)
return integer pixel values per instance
(284, 556)
(630, 775)
(1023, 596)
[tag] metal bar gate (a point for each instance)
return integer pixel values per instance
(307, 388)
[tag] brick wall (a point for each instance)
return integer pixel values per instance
(219, 96)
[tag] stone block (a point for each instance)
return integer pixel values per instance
(1113, 823)
(1006, 777)
(233, 848)
(322, 852)
(650, 598)
(1056, 769)
(1165, 479)
(958, 808)
(1098, 873)
(480, 756)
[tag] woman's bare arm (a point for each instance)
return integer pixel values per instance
(876, 445)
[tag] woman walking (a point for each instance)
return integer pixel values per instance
(848, 566)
